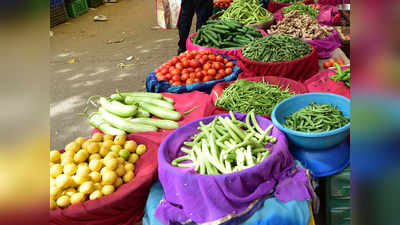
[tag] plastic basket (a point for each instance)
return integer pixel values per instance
(77, 8)
(58, 15)
(94, 3)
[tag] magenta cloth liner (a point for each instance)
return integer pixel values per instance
(229, 52)
(217, 198)
(326, 46)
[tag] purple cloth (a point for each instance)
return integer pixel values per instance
(206, 198)
(326, 46)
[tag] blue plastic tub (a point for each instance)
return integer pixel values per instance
(322, 140)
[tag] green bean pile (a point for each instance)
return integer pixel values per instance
(226, 145)
(276, 47)
(316, 118)
(247, 12)
(301, 8)
(244, 96)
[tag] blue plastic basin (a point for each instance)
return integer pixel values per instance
(322, 140)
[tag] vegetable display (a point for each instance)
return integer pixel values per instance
(316, 118)
(222, 3)
(194, 67)
(276, 47)
(129, 112)
(244, 96)
(342, 75)
(302, 9)
(247, 12)
(302, 26)
(225, 34)
(91, 168)
(226, 145)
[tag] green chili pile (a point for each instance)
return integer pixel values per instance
(247, 12)
(226, 145)
(244, 96)
(276, 47)
(341, 75)
(302, 9)
(316, 118)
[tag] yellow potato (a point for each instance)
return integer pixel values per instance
(120, 161)
(130, 146)
(84, 164)
(107, 189)
(52, 182)
(120, 139)
(77, 198)
(55, 156)
(109, 177)
(63, 181)
(118, 182)
(73, 146)
(95, 165)
(53, 204)
(67, 161)
(128, 176)
(85, 144)
(112, 164)
(70, 191)
(83, 171)
(97, 137)
(108, 143)
(70, 169)
(95, 194)
(54, 191)
(93, 147)
(116, 149)
(56, 170)
(120, 170)
(81, 156)
(133, 158)
(108, 137)
(94, 156)
(80, 140)
(67, 154)
(141, 149)
(87, 187)
(103, 170)
(95, 176)
(78, 180)
(98, 186)
(110, 155)
(129, 167)
(63, 201)
(104, 150)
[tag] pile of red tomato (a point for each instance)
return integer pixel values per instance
(194, 67)
(222, 3)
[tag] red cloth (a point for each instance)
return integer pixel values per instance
(322, 82)
(299, 69)
(294, 86)
(275, 6)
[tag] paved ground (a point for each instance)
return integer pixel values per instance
(95, 70)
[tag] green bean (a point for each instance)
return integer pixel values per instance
(301, 8)
(247, 12)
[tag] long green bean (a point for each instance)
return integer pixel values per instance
(301, 8)
(247, 12)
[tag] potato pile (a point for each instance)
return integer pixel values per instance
(89, 169)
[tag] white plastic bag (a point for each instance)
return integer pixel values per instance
(168, 13)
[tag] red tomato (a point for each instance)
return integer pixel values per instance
(168, 76)
(202, 52)
(192, 75)
(229, 64)
(208, 52)
(326, 64)
(204, 57)
(179, 66)
(211, 72)
(176, 78)
(226, 60)
(162, 77)
(340, 62)
(175, 72)
(228, 71)
(184, 76)
(331, 61)
(206, 66)
(171, 68)
(202, 61)
(185, 71)
(158, 77)
(216, 66)
(181, 55)
(190, 69)
(198, 69)
(189, 81)
(185, 63)
(199, 75)
(177, 83)
(193, 52)
(194, 63)
(219, 58)
(219, 77)
(174, 60)
(211, 57)
(164, 71)
(159, 74)
(207, 78)
(197, 80)
(221, 72)
(157, 70)
(198, 57)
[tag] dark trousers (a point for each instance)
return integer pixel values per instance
(203, 10)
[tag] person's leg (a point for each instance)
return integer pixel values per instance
(204, 9)
(185, 22)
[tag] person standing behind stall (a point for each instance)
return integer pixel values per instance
(203, 10)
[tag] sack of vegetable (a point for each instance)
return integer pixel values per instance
(304, 25)
(275, 5)
(331, 81)
(279, 55)
(254, 93)
(102, 195)
(192, 71)
(222, 37)
(207, 181)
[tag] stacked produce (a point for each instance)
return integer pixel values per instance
(222, 3)
(302, 9)
(247, 12)
(194, 67)
(91, 168)
(316, 118)
(245, 96)
(130, 112)
(302, 26)
(276, 47)
(342, 75)
(225, 34)
(226, 145)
